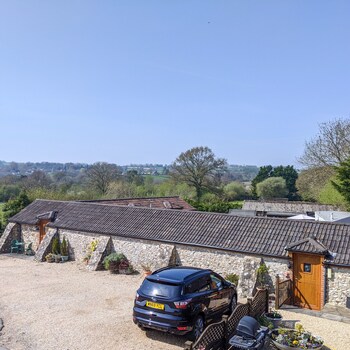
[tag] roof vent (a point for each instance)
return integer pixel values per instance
(167, 205)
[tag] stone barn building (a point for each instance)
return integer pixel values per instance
(316, 255)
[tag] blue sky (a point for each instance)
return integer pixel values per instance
(142, 81)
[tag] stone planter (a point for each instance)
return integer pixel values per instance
(114, 267)
(274, 332)
(271, 317)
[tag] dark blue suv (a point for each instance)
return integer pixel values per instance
(182, 300)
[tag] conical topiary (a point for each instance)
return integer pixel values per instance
(56, 246)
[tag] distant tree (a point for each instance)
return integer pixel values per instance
(342, 183)
(132, 176)
(101, 174)
(273, 187)
(290, 175)
(234, 191)
(8, 191)
(199, 168)
(13, 206)
(286, 172)
(311, 181)
(330, 147)
(263, 174)
(37, 179)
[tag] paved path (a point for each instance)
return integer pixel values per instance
(329, 312)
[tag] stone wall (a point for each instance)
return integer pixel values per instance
(78, 242)
(156, 255)
(225, 263)
(30, 234)
(12, 231)
(338, 286)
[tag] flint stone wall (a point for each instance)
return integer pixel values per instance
(225, 263)
(339, 286)
(12, 231)
(156, 255)
(30, 234)
(78, 242)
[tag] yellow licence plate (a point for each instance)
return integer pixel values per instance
(155, 305)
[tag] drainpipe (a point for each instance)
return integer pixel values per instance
(325, 289)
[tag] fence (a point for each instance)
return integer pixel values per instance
(283, 292)
(217, 335)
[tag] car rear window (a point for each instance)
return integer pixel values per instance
(160, 289)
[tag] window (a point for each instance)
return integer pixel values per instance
(160, 289)
(199, 285)
(307, 267)
(216, 282)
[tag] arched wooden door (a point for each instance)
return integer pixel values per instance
(307, 280)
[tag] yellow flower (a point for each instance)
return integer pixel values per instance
(295, 342)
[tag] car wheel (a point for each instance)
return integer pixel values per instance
(233, 304)
(198, 328)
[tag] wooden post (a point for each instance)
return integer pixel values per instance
(226, 335)
(277, 292)
(249, 302)
(188, 345)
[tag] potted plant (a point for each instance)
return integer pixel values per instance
(50, 258)
(112, 262)
(274, 317)
(125, 267)
(64, 249)
(233, 278)
(295, 339)
(261, 274)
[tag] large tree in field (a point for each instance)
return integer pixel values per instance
(199, 168)
(101, 174)
(273, 187)
(330, 147)
(288, 173)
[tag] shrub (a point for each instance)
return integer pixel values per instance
(56, 246)
(262, 273)
(114, 258)
(91, 248)
(232, 277)
(64, 247)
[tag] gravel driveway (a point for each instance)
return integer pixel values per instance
(65, 307)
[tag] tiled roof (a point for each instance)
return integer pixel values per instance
(286, 206)
(254, 235)
(308, 245)
(174, 202)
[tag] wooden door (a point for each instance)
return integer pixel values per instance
(42, 232)
(307, 280)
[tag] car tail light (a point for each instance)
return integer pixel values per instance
(182, 304)
(183, 328)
